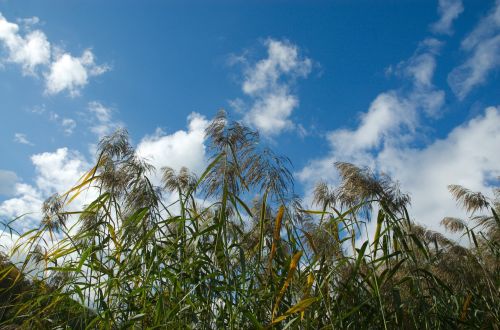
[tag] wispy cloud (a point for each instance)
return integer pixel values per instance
(385, 136)
(448, 10)
(28, 22)
(482, 47)
(22, 138)
(101, 119)
(68, 125)
(269, 83)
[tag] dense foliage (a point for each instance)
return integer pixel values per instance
(237, 250)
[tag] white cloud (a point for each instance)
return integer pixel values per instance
(101, 121)
(282, 58)
(486, 28)
(8, 181)
(483, 48)
(391, 123)
(387, 114)
(59, 170)
(448, 10)
(474, 71)
(467, 156)
(72, 73)
(29, 51)
(182, 148)
(27, 201)
(56, 172)
(270, 113)
(393, 116)
(22, 138)
(421, 66)
(268, 84)
(32, 50)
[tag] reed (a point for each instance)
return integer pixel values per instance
(219, 257)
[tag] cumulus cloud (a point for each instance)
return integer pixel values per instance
(29, 51)
(182, 148)
(271, 113)
(282, 58)
(467, 156)
(269, 85)
(34, 53)
(448, 10)
(56, 172)
(72, 73)
(8, 180)
(22, 138)
(482, 47)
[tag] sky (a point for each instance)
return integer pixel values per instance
(408, 87)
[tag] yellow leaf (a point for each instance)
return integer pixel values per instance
(291, 271)
(298, 307)
(87, 178)
(276, 234)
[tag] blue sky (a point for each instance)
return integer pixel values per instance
(407, 87)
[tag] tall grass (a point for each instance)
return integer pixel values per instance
(237, 250)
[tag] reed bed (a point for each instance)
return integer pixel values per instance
(238, 250)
